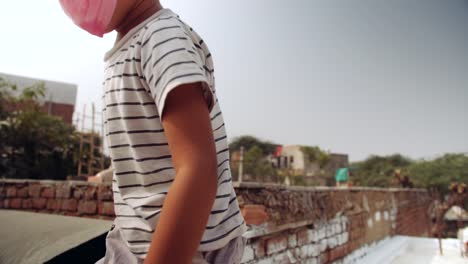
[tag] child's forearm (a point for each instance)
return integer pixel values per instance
(182, 224)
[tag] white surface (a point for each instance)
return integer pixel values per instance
(414, 250)
(57, 92)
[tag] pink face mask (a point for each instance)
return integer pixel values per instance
(93, 16)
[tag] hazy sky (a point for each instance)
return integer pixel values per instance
(357, 77)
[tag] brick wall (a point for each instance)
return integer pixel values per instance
(65, 111)
(306, 225)
(330, 225)
(72, 198)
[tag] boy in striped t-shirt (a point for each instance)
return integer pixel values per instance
(173, 194)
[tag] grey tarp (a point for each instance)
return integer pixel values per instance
(27, 237)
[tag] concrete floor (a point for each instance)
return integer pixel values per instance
(415, 250)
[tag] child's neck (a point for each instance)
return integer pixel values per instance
(142, 10)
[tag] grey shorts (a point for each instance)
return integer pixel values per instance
(117, 252)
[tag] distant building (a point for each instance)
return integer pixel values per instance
(59, 99)
(292, 157)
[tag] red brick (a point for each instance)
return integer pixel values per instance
(39, 203)
(54, 205)
(78, 193)
(104, 193)
(35, 190)
(305, 237)
(48, 192)
(90, 193)
(26, 204)
(7, 203)
(87, 207)
(259, 248)
(323, 258)
(337, 253)
(63, 191)
(106, 208)
(69, 205)
(276, 244)
(23, 192)
(11, 192)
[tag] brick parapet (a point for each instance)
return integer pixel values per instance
(306, 225)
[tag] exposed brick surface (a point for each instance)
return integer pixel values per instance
(63, 191)
(69, 205)
(322, 225)
(90, 193)
(276, 244)
(337, 253)
(26, 204)
(87, 207)
(259, 248)
(304, 237)
(14, 203)
(54, 204)
(23, 192)
(104, 193)
(106, 208)
(35, 190)
(48, 192)
(78, 193)
(11, 192)
(39, 203)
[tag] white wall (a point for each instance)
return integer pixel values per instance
(57, 92)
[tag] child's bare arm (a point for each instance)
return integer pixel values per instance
(187, 126)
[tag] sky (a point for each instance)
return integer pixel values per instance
(357, 77)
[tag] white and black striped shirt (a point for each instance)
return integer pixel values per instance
(155, 57)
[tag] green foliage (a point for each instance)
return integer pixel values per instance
(32, 143)
(440, 172)
(378, 171)
(299, 181)
(315, 154)
(437, 173)
(257, 166)
(248, 142)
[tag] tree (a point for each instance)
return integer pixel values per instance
(32, 143)
(257, 166)
(248, 142)
(378, 171)
(440, 172)
(435, 174)
(315, 154)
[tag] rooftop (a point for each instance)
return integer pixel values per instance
(415, 250)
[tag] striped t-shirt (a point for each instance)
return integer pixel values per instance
(155, 57)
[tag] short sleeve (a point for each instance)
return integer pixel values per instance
(169, 59)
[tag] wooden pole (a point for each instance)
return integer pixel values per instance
(91, 144)
(80, 155)
(241, 165)
(440, 245)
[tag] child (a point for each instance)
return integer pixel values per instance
(173, 195)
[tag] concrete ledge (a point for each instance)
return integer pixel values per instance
(256, 185)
